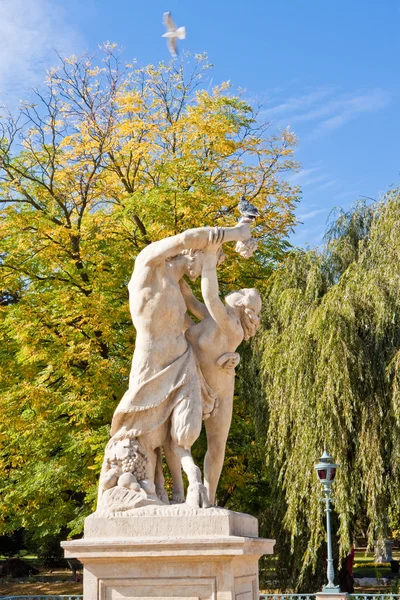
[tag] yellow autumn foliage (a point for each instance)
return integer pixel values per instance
(106, 160)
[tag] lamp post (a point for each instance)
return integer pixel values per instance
(326, 471)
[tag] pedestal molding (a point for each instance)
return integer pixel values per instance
(166, 546)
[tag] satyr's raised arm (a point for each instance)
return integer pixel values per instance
(196, 239)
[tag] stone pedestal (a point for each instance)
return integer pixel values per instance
(170, 553)
(383, 551)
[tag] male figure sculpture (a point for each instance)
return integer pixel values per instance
(163, 406)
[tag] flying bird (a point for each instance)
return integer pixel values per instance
(247, 209)
(173, 34)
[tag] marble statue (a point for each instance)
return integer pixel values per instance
(177, 379)
(221, 329)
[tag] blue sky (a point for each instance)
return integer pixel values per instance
(330, 70)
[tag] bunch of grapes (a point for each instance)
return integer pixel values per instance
(135, 463)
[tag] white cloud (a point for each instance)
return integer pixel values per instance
(327, 109)
(30, 31)
(303, 175)
(311, 214)
(327, 184)
(318, 179)
(296, 104)
(312, 176)
(346, 109)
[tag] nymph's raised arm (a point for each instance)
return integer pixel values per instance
(196, 239)
(210, 290)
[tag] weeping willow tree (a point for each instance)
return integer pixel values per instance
(329, 362)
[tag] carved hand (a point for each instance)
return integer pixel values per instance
(215, 239)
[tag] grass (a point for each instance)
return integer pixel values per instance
(365, 565)
(18, 588)
(47, 582)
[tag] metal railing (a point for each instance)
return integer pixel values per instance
(382, 596)
(287, 596)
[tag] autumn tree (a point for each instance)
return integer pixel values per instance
(329, 361)
(106, 159)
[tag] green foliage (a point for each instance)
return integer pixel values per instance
(47, 548)
(108, 159)
(329, 355)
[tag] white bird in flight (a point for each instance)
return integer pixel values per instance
(173, 34)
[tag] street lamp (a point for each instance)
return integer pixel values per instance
(326, 471)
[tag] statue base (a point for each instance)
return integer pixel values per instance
(172, 553)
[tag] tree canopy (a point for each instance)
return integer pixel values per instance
(105, 160)
(329, 361)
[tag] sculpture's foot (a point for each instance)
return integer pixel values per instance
(178, 496)
(162, 495)
(148, 486)
(197, 496)
(150, 490)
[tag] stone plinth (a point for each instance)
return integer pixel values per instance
(171, 553)
(383, 551)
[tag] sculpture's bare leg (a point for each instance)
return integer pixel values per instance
(197, 496)
(186, 423)
(217, 433)
(174, 465)
(159, 479)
